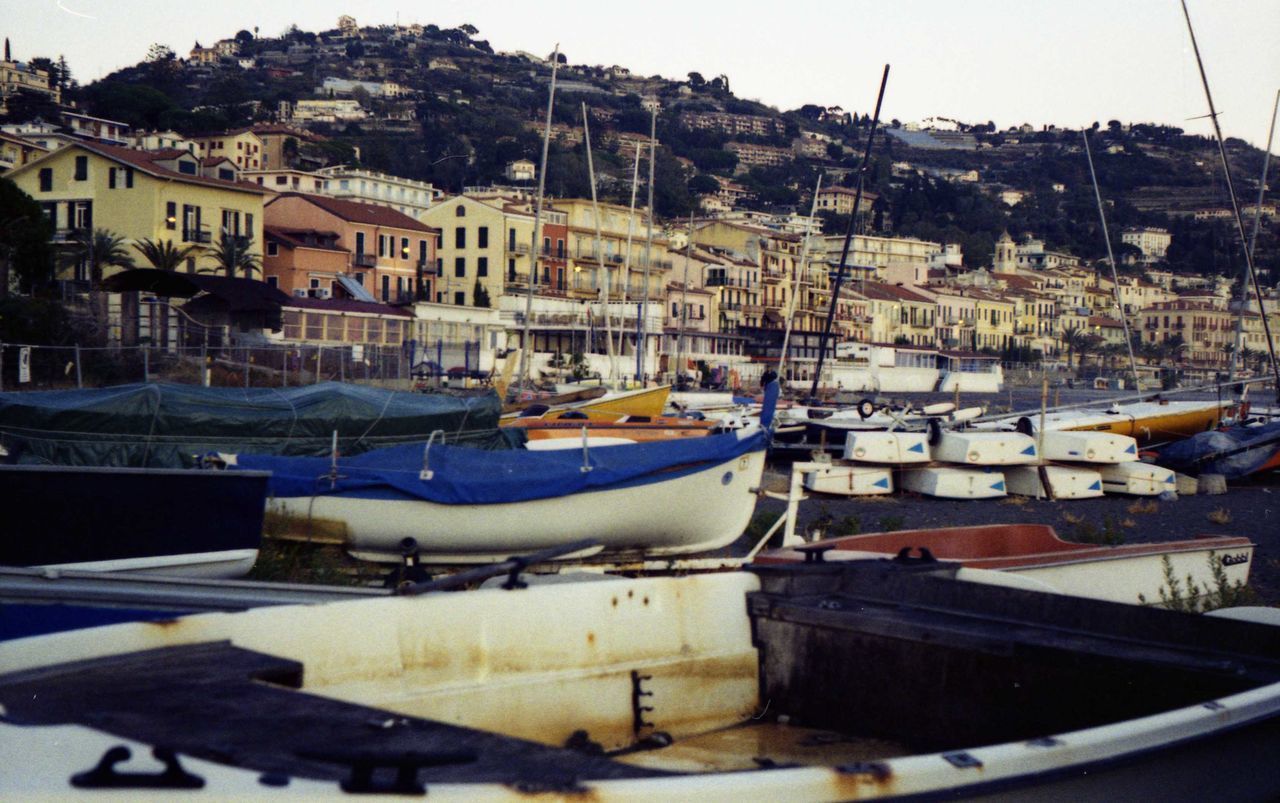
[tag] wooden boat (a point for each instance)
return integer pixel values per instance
(649, 402)
(950, 482)
(850, 480)
(1064, 482)
(554, 399)
(803, 683)
(897, 448)
(1137, 479)
(467, 505)
(974, 448)
(570, 423)
(1121, 573)
(145, 520)
(1087, 447)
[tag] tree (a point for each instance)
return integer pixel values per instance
(98, 249)
(233, 255)
(696, 81)
(1079, 341)
(468, 29)
(244, 38)
(703, 184)
(158, 53)
(480, 296)
(24, 240)
(162, 254)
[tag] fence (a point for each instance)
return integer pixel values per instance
(44, 367)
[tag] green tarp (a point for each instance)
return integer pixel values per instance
(173, 425)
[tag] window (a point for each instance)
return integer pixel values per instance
(128, 178)
(190, 224)
(511, 270)
(460, 211)
(460, 237)
(404, 248)
(82, 168)
(546, 245)
(248, 225)
(460, 298)
(422, 251)
(482, 237)
(359, 243)
(511, 239)
(273, 281)
(191, 264)
(273, 249)
(82, 215)
(560, 248)
(111, 178)
(186, 167)
(460, 266)
(386, 288)
(382, 245)
(46, 179)
(282, 179)
(482, 266)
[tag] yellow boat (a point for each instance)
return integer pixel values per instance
(646, 402)
(1146, 421)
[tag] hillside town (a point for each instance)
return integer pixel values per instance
(337, 254)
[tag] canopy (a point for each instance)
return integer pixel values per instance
(172, 425)
(474, 477)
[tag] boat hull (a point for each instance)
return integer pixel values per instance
(1138, 479)
(968, 447)
(714, 506)
(954, 483)
(850, 480)
(897, 448)
(1088, 447)
(1065, 482)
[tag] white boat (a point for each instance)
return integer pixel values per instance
(1138, 479)
(846, 480)
(796, 683)
(873, 368)
(1087, 447)
(950, 482)
(465, 505)
(897, 448)
(974, 448)
(1065, 482)
(1146, 421)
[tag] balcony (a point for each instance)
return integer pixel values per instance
(200, 235)
(427, 267)
(364, 260)
(517, 248)
(64, 236)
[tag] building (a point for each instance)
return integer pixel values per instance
(405, 195)
(901, 315)
(520, 170)
(98, 129)
(341, 87)
(839, 200)
(162, 197)
(753, 155)
(482, 244)
(242, 147)
(286, 180)
(391, 254)
(328, 110)
(16, 151)
(1152, 241)
(16, 76)
(283, 145)
(733, 123)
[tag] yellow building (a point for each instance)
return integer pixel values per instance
(242, 147)
(141, 195)
(900, 314)
(996, 320)
(485, 241)
(587, 276)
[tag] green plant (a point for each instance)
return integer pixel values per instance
(890, 523)
(1187, 597)
(850, 525)
(1086, 532)
(1220, 516)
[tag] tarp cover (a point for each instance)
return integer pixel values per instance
(167, 425)
(1234, 452)
(474, 477)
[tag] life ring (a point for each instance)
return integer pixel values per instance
(866, 409)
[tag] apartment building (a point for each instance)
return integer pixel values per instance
(242, 147)
(752, 155)
(840, 200)
(1153, 242)
(732, 123)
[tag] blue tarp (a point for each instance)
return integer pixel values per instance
(471, 476)
(1234, 452)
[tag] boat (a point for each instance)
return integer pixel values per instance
(1137, 479)
(897, 448)
(1147, 422)
(841, 680)
(1087, 447)
(1128, 573)
(1054, 482)
(612, 406)
(462, 505)
(162, 425)
(846, 480)
(950, 482)
(975, 448)
(570, 423)
(554, 399)
(188, 522)
(1234, 452)
(876, 368)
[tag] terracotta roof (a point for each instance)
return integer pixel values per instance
(146, 162)
(892, 292)
(289, 236)
(354, 212)
(348, 305)
(1102, 320)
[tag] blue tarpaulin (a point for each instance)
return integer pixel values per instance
(471, 476)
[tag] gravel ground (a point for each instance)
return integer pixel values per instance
(1251, 510)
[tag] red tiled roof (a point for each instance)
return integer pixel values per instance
(354, 212)
(146, 162)
(892, 292)
(289, 237)
(1102, 320)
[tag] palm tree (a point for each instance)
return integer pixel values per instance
(98, 249)
(163, 254)
(233, 255)
(1080, 342)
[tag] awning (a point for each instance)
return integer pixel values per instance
(240, 295)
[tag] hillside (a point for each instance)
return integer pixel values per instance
(462, 112)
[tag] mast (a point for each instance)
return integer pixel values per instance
(848, 238)
(526, 345)
(684, 303)
(631, 225)
(1253, 241)
(1235, 205)
(604, 269)
(804, 266)
(1115, 280)
(642, 325)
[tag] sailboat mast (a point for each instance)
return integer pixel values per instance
(642, 325)
(848, 238)
(526, 345)
(804, 266)
(1251, 275)
(1238, 343)
(684, 304)
(631, 225)
(604, 269)
(1111, 259)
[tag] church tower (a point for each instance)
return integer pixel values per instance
(1006, 256)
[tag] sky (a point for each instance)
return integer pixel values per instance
(1060, 62)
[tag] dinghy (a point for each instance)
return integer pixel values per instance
(1138, 479)
(1145, 421)
(1235, 452)
(1087, 447)
(850, 480)
(799, 683)
(897, 448)
(969, 447)
(1130, 573)
(1064, 482)
(954, 483)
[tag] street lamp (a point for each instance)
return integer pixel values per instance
(204, 349)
